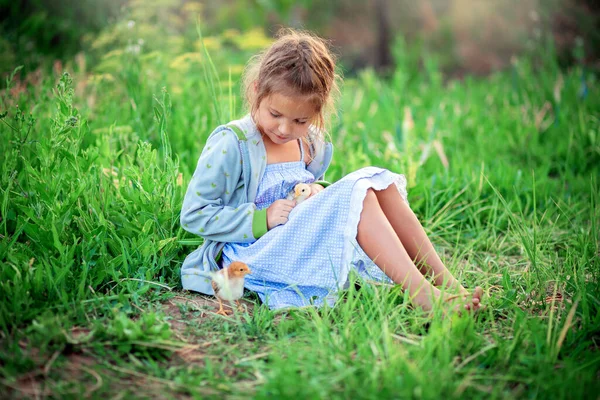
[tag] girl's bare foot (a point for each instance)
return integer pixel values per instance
(465, 301)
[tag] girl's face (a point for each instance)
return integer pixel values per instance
(283, 118)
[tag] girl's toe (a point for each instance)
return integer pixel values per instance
(476, 299)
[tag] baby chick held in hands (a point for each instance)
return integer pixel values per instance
(300, 193)
(228, 283)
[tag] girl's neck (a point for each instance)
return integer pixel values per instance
(287, 152)
(278, 153)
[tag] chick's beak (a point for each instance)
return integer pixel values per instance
(298, 191)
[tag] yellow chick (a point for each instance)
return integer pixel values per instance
(300, 193)
(228, 283)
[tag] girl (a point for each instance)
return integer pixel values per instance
(301, 254)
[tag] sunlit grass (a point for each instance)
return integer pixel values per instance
(503, 175)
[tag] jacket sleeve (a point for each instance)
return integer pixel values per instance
(206, 207)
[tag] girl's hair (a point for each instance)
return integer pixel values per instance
(297, 64)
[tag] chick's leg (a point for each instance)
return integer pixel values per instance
(240, 306)
(221, 310)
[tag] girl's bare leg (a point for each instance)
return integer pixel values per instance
(378, 239)
(414, 239)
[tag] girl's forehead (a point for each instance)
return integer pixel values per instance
(296, 107)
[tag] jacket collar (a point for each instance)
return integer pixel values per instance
(253, 149)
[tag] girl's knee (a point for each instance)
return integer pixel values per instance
(371, 197)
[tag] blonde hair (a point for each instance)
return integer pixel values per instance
(298, 63)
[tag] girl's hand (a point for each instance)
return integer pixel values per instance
(278, 212)
(315, 188)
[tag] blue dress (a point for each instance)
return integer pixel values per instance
(307, 260)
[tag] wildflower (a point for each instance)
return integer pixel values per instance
(254, 39)
(192, 7)
(230, 33)
(133, 49)
(236, 69)
(183, 61)
(210, 42)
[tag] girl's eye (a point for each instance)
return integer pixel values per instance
(274, 115)
(301, 122)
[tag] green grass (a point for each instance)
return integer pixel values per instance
(503, 173)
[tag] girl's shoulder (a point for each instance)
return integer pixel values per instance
(221, 136)
(226, 141)
(244, 128)
(223, 144)
(231, 133)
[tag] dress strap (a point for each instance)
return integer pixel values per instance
(301, 149)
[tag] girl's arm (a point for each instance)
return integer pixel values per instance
(206, 207)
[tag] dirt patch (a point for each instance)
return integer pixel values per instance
(75, 370)
(27, 386)
(203, 306)
(39, 382)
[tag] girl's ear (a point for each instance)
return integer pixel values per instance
(255, 86)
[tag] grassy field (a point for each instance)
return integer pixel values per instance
(503, 173)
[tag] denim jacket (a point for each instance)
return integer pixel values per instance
(219, 202)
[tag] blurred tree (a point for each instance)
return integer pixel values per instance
(34, 28)
(384, 35)
(465, 36)
(577, 21)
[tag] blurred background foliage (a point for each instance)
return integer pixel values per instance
(466, 36)
(123, 53)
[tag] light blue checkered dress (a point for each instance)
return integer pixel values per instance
(307, 260)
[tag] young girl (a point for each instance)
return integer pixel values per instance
(301, 254)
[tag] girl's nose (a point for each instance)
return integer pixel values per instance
(284, 128)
